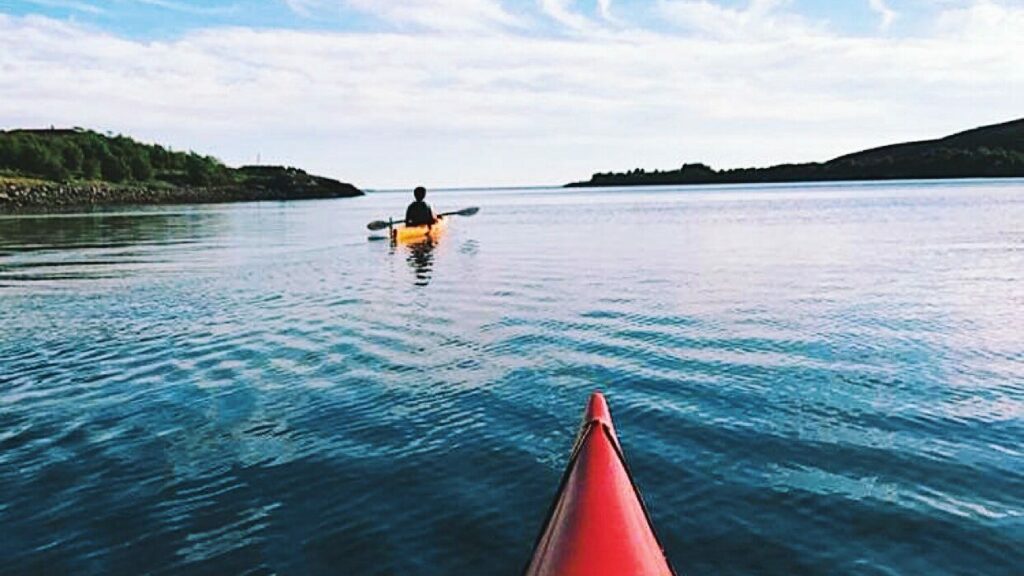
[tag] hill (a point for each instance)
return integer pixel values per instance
(76, 166)
(995, 151)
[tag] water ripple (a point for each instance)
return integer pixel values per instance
(822, 380)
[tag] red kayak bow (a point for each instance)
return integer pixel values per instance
(598, 524)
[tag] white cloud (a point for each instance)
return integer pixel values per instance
(757, 20)
(511, 107)
(561, 11)
(985, 21)
(444, 15)
(887, 14)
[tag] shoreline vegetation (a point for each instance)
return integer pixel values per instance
(995, 151)
(55, 168)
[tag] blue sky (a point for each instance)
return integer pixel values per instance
(162, 18)
(392, 93)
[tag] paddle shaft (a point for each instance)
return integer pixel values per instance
(381, 224)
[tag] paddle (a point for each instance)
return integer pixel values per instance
(382, 224)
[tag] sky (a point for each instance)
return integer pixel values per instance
(462, 93)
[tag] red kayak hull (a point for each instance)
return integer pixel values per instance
(598, 524)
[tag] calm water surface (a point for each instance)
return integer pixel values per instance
(806, 380)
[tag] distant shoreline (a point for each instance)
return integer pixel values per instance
(20, 196)
(995, 151)
(55, 168)
(784, 182)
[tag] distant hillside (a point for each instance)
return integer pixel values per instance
(988, 152)
(76, 166)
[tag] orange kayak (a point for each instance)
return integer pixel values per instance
(403, 234)
(598, 525)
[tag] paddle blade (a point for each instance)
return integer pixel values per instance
(378, 225)
(467, 211)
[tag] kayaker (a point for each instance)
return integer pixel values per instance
(419, 212)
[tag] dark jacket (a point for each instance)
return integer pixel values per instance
(419, 214)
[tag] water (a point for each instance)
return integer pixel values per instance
(806, 380)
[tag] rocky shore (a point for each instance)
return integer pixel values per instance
(20, 194)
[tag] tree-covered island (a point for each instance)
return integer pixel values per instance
(57, 167)
(995, 151)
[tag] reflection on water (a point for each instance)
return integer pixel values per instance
(47, 248)
(421, 259)
(106, 229)
(821, 379)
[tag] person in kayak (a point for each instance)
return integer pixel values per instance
(419, 212)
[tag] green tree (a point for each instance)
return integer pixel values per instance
(114, 168)
(9, 152)
(158, 157)
(199, 170)
(138, 163)
(92, 168)
(72, 157)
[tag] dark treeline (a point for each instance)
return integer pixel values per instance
(989, 151)
(60, 168)
(65, 155)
